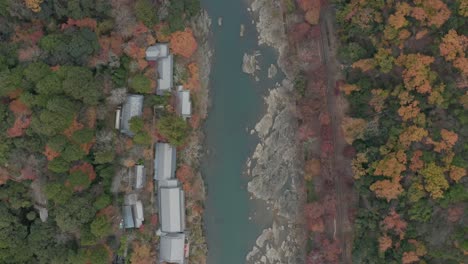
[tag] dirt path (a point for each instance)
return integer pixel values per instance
(339, 166)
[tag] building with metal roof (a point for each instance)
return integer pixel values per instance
(127, 216)
(138, 214)
(164, 161)
(132, 211)
(172, 248)
(171, 209)
(160, 53)
(140, 176)
(172, 183)
(165, 71)
(132, 107)
(184, 104)
(160, 50)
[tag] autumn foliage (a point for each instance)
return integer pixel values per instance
(75, 126)
(50, 153)
(34, 5)
(22, 118)
(185, 176)
(409, 257)
(431, 12)
(453, 48)
(411, 90)
(330, 252)
(142, 253)
(87, 168)
(449, 138)
(183, 43)
(457, 173)
(311, 9)
(193, 82)
(385, 242)
(417, 73)
(393, 222)
(85, 22)
(314, 212)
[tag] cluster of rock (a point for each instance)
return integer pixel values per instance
(272, 32)
(272, 71)
(276, 165)
(276, 178)
(276, 245)
(250, 64)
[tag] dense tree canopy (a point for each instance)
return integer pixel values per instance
(64, 67)
(407, 62)
(174, 128)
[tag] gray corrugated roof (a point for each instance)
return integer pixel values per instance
(184, 105)
(130, 199)
(173, 183)
(164, 161)
(132, 107)
(171, 248)
(127, 215)
(171, 209)
(140, 176)
(165, 68)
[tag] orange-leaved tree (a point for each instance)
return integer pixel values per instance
(453, 47)
(392, 165)
(183, 43)
(388, 189)
(431, 12)
(395, 223)
(385, 242)
(398, 20)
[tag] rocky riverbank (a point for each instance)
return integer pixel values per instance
(276, 179)
(276, 165)
(192, 153)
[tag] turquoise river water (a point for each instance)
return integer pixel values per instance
(237, 104)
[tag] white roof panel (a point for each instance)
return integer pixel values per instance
(138, 214)
(140, 176)
(184, 105)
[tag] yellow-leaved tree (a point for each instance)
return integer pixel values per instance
(353, 128)
(34, 5)
(434, 179)
(412, 134)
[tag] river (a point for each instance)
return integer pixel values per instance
(236, 105)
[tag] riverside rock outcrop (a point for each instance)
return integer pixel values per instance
(275, 157)
(276, 165)
(272, 32)
(249, 63)
(276, 177)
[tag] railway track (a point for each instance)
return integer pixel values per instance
(341, 233)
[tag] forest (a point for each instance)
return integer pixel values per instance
(406, 69)
(65, 65)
